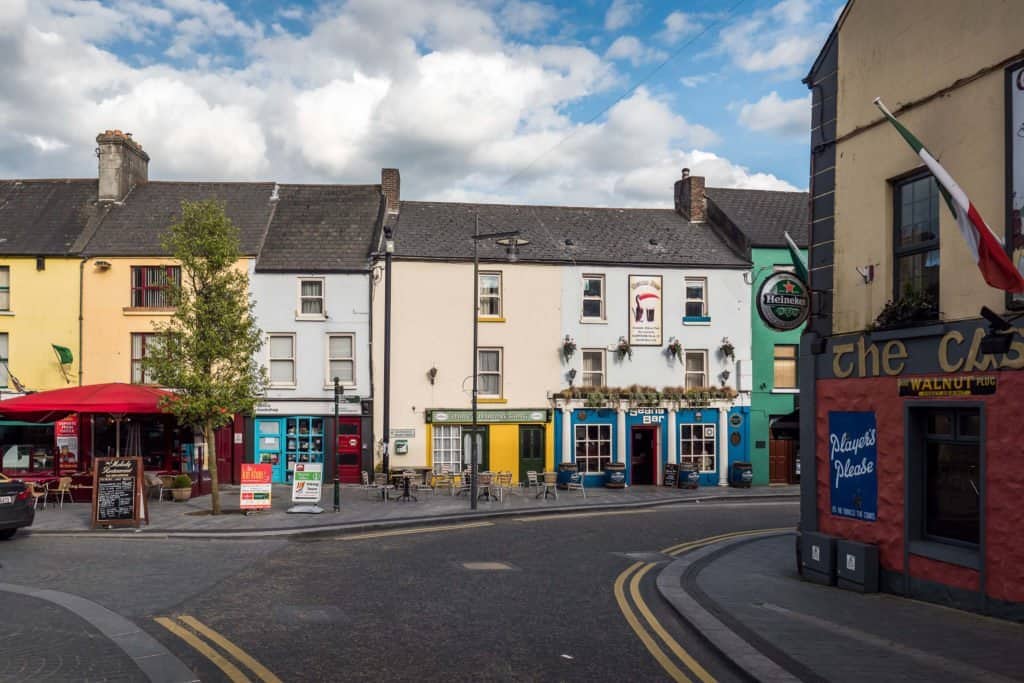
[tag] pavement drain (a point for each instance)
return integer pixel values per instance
(486, 566)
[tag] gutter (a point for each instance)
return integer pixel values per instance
(81, 316)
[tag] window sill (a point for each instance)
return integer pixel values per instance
(282, 386)
(311, 318)
(343, 385)
(492, 400)
(7, 313)
(945, 552)
(141, 310)
(785, 391)
(696, 320)
(593, 321)
(490, 320)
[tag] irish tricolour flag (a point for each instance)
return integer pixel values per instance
(985, 246)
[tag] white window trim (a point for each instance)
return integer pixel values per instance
(604, 367)
(299, 315)
(796, 369)
(453, 466)
(583, 297)
(586, 439)
(501, 296)
(686, 372)
(689, 458)
(5, 380)
(704, 300)
(329, 380)
(148, 336)
(500, 373)
(294, 359)
(10, 304)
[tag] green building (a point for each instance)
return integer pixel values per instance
(757, 222)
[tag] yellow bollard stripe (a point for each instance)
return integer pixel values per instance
(262, 672)
(229, 669)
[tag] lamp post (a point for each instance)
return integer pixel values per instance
(510, 240)
(338, 391)
(389, 249)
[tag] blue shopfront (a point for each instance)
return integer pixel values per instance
(284, 441)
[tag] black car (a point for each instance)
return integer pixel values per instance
(16, 507)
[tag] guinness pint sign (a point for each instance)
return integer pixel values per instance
(783, 301)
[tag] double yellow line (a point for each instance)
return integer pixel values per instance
(634, 574)
(190, 629)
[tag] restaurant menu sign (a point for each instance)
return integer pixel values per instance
(1015, 168)
(255, 487)
(645, 310)
(66, 437)
(306, 482)
(853, 465)
(118, 493)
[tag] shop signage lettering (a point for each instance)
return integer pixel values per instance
(853, 457)
(645, 310)
(782, 301)
(255, 490)
(306, 482)
(957, 385)
(648, 415)
(487, 416)
(954, 353)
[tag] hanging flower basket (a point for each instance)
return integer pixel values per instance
(727, 349)
(568, 348)
(623, 349)
(674, 349)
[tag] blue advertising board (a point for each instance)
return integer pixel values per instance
(853, 464)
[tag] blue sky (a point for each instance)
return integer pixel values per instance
(594, 102)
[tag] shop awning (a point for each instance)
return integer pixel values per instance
(113, 399)
(786, 425)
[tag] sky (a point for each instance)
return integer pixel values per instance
(591, 102)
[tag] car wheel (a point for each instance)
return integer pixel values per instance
(6, 534)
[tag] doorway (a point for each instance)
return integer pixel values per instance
(780, 460)
(643, 456)
(531, 450)
(482, 444)
(349, 449)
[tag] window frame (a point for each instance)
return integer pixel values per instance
(500, 371)
(705, 315)
(686, 371)
(5, 289)
(146, 338)
(691, 457)
(5, 357)
(603, 372)
(329, 381)
(293, 360)
(588, 460)
(500, 296)
(172, 273)
(446, 435)
(299, 298)
(898, 252)
(796, 367)
(584, 298)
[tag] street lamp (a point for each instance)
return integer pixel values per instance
(510, 240)
(389, 249)
(338, 391)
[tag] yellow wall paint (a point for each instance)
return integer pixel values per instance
(44, 311)
(504, 448)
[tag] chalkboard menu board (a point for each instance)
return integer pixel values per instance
(671, 473)
(118, 495)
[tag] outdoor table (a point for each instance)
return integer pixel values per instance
(484, 484)
(406, 494)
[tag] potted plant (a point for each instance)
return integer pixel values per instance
(674, 349)
(181, 488)
(623, 349)
(568, 348)
(727, 349)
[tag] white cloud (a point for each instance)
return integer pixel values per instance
(783, 37)
(679, 25)
(694, 81)
(630, 48)
(523, 18)
(620, 14)
(772, 114)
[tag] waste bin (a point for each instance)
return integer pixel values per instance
(741, 474)
(615, 475)
(565, 472)
(689, 478)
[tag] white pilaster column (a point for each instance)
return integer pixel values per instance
(722, 446)
(567, 454)
(620, 442)
(673, 437)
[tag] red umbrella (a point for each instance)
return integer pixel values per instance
(115, 398)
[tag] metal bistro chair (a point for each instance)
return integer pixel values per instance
(504, 484)
(466, 482)
(576, 483)
(39, 493)
(445, 480)
(425, 486)
(62, 491)
(532, 483)
(380, 482)
(366, 486)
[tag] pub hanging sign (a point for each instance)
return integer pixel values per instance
(948, 385)
(783, 301)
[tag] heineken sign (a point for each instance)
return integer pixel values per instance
(783, 301)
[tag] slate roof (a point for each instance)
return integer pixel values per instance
(322, 228)
(44, 217)
(647, 237)
(135, 226)
(763, 215)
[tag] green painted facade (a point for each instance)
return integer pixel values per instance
(765, 403)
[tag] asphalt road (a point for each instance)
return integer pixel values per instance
(516, 599)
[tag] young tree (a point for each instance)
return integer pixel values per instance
(207, 349)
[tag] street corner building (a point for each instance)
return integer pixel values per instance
(911, 359)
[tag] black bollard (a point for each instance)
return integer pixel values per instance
(337, 496)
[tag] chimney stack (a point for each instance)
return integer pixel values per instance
(123, 165)
(390, 185)
(690, 197)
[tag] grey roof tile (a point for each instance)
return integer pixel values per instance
(764, 215)
(44, 217)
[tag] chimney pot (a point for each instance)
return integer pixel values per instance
(689, 196)
(686, 173)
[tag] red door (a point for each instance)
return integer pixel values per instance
(225, 451)
(350, 448)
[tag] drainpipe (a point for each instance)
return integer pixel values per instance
(81, 285)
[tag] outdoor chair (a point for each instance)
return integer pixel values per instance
(366, 486)
(503, 484)
(425, 486)
(532, 483)
(154, 484)
(39, 493)
(62, 491)
(466, 482)
(576, 483)
(445, 480)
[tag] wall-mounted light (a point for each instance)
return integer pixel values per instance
(571, 375)
(432, 375)
(102, 265)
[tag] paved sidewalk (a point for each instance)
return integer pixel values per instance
(747, 599)
(360, 510)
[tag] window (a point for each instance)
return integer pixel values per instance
(593, 297)
(697, 446)
(785, 366)
(916, 238)
(489, 369)
(282, 360)
(142, 342)
(696, 304)
(151, 285)
(490, 295)
(593, 447)
(447, 451)
(696, 363)
(5, 288)
(949, 477)
(593, 367)
(3, 360)
(311, 298)
(340, 359)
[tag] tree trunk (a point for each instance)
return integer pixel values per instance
(211, 464)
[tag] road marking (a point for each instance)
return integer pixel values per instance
(577, 515)
(229, 669)
(262, 672)
(404, 532)
(687, 659)
(666, 663)
(676, 550)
